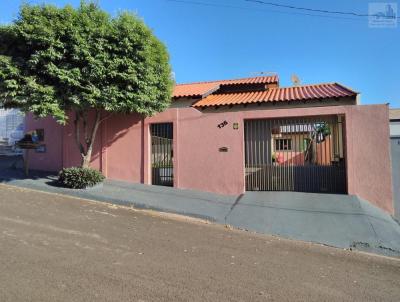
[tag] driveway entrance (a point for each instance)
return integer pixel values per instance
(296, 154)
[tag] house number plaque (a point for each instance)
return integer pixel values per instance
(222, 125)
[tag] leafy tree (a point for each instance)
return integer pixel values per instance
(80, 63)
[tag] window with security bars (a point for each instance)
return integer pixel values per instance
(283, 144)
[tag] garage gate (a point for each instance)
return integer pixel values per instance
(395, 149)
(296, 154)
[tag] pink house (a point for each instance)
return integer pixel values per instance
(249, 134)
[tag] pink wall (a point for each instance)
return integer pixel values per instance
(52, 159)
(123, 148)
(197, 160)
(117, 152)
(368, 154)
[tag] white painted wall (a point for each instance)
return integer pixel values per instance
(394, 128)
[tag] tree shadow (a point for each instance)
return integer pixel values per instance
(12, 168)
(111, 130)
(117, 127)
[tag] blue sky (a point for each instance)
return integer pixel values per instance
(236, 38)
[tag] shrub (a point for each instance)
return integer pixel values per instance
(79, 178)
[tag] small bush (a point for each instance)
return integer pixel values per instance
(79, 178)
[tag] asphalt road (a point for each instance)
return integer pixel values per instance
(56, 248)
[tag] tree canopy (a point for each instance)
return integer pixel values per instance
(55, 60)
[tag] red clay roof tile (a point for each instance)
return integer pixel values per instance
(284, 94)
(193, 90)
(200, 89)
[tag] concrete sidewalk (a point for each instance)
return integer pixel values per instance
(337, 220)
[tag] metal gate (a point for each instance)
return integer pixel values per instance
(395, 142)
(301, 154)
(162, 154)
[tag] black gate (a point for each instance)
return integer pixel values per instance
(302, 155)
(162, 154)
(395, 142)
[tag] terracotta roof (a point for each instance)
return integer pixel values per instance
(194, 90)
(394, 114)
(201, 88)
(284, 94)
(253, 80)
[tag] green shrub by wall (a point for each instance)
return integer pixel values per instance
(79, 178)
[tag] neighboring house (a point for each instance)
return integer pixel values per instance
(394, 115)
(11, 130)
(249, 134)
(10, 121)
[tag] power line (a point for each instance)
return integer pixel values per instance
(202, 3)
(313, 9)
(322, 13)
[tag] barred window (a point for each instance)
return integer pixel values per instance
(283, 144)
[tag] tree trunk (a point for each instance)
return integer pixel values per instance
(85, 163)
(86, 149)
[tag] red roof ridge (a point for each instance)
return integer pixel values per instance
(316, 85)
(194, 83)
(229, 80)
(299, 87)
(306, 85)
